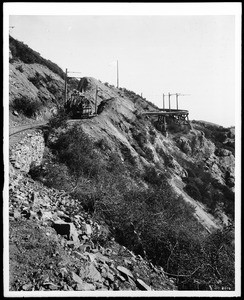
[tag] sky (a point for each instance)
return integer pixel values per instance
(192, 54)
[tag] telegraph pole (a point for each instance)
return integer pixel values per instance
(65, 85)
(169, 101)
(177, 95)
(117, 74)
(163, 102)
(96, 101)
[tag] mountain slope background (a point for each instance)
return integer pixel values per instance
(169, 200)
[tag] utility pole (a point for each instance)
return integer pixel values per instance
(65, 85)
(169, 101)
(117, 74)
(96, 101)
(163, 102)
(177, 95)
(177, 98)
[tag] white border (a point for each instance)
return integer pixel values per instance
(26, 8)
(201, 9)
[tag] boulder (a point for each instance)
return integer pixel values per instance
(93, 274)
(125, 271)
(68, 229)
(15, 113)
(142, 285)
(77, 278)
(85, 287)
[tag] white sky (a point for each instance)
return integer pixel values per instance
(188, 54)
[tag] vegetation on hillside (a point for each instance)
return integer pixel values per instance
(201, 186)
(24, 53)
(26, 106)
(153, 221)
(216, 134)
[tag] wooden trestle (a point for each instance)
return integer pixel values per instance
(169, 116)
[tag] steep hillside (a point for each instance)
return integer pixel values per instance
(91, 187)
(36, 85)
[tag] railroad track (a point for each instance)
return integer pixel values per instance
(15, 132)
(17, 129)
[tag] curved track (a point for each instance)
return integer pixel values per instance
(17, 129)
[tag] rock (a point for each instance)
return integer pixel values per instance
(70, 244)
(91, 256)
(85, 287)
(33, 215)
(125, 271)
(80, 255)
(131, 282)
(27, 287)
(93, 274)
(46, 215)
(101, 258)
(88, 229)
(121, 277)
(25, 213)
(17, 214)
(15, 113)
(63, 272)
(142, 285)
(68, 229)
(127, 262)
(51, 286)
(108, 252)
(77, 278)
(223, 152)
(110, 277)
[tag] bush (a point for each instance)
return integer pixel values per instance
(59, 119)
(27, 106)
(148, 153)
(153, 177)
(37, 80)
(20, 68)
(75, 149)
(139, 136)
(193, 191)
(126, 152)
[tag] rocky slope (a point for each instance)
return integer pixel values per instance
(54, 243)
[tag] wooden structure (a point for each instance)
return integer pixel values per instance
(165, 117)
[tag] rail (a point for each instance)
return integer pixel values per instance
(17, 129)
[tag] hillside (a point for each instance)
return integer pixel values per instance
(110, 201)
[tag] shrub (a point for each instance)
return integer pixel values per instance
(153, 177)
(139, 135)
(20, 68)
(152, 135)
(59, 119)
(148, 153)
(37, 80)
(126, 152)
(75, 149)
(27, 106)
(193, 191)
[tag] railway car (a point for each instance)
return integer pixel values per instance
(78, 106)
